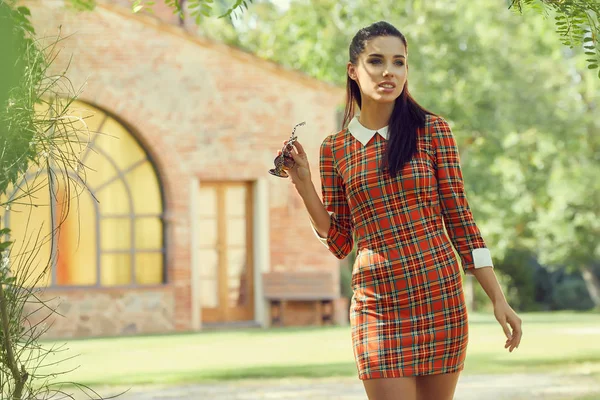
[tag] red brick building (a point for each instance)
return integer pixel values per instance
(187, 219)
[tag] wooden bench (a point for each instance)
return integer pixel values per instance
(318, 287)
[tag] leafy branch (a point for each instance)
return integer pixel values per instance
(41, 145)
(198, 9)
(577, 23)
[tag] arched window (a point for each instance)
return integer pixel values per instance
(113, 234)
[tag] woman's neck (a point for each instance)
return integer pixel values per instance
(375, 115)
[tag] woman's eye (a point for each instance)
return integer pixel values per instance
(375, 61)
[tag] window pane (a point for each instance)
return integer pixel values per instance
(207, 202)
(235, 200)
(98, 169)
(209, 296)
(116, 269)
(148, 233)
(76, 241)
(209, 260)
(236, 232)
(209, 283)
(116, 233)
(30, 224)
(120, 144)
(91, 118)
(207, 233)
(238, 279)
(145, 189)
(114, 199)
(149, 268)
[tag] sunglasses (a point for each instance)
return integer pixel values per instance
(284, 160)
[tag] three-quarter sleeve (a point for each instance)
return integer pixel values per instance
(461, 227)
(339, 238)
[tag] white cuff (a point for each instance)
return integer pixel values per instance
(321, 239)
(482, 258)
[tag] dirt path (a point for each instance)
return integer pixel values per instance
(470, 387)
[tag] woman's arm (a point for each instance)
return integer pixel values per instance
(458, 219)
(319, 217)
(503, 312)
(330, 218)
(464, 233)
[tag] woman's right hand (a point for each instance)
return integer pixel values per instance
(300, 172)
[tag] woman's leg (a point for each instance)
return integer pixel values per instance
(438, 387)
(391, 388)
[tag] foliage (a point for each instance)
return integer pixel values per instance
(570, 293)
(577, 23)
(519, 265)
(17, 114)
(198, 9)
(511, 292)
(40, 151)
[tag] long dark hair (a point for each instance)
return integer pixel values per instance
(407, 115)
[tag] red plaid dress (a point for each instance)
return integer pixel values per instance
(408, 312)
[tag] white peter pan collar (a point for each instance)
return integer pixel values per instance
(363, 134)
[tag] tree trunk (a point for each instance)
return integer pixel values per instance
(592, 283)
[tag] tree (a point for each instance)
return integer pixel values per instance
(576, 22)
(39, 147)
(198, 9)
(520, 103)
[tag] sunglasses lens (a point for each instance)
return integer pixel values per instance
(281, 173)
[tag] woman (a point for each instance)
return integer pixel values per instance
(391, 180)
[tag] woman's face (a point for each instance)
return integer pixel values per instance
(381, 69)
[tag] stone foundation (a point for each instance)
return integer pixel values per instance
(104, 312)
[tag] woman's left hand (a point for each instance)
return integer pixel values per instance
(507, 317)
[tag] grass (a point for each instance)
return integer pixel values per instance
(564, 343)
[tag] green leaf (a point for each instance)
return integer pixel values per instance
(137, 8)
(588, 39)
(4, 246)
(592, 66)
(24, 10)
(4, 231)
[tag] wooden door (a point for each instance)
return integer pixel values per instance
(225, 252)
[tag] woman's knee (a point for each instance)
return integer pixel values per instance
(439, 387)
(404, 388)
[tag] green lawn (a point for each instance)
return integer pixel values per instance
(556, 342)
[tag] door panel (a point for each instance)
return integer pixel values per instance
(225, 252)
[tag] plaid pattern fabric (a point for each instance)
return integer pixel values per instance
(408, 311)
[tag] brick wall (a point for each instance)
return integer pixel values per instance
(201, 109)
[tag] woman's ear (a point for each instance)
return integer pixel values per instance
(351, 71)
